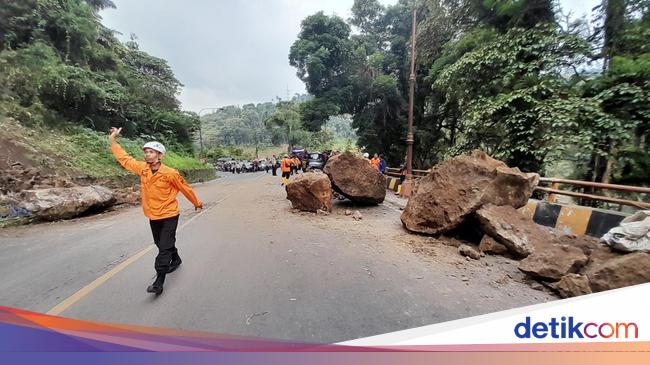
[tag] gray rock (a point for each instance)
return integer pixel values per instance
(65, 203)
(512, 229)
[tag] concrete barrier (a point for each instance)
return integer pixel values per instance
(392, 183)
(573, 219)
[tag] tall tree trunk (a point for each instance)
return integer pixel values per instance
(613, 28)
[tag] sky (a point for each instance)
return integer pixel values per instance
(232, 52)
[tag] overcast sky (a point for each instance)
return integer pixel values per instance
(231, 52)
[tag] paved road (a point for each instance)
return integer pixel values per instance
(251, 267)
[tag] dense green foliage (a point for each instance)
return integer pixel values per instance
(60, 65)
(500, 75)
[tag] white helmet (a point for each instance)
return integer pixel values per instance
(156, 146)
(366, 155)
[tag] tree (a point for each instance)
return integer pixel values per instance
(500, 75)
(286, 125)
(320, 55)
(59, 64)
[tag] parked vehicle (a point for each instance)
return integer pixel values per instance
(261, 166)
(315, 161)
(247, 166)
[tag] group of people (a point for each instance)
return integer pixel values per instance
(289, 166)
(376, 161)
(244, 166)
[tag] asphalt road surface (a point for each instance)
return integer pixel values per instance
(253, 267)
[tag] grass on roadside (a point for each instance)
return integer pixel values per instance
(81, 150)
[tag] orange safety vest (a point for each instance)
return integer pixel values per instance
(285, 165)
(375, 162)
(158, 191)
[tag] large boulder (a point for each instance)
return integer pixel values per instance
(65, 203)
(620, 271)
(553, 262)
(458, 187)
(311, 192)
(356, 179)
(512, 229)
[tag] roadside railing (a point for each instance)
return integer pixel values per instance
(394, 172)
(554, 190)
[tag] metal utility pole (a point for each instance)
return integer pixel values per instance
(407, 186)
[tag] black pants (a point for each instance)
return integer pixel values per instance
(164, 236)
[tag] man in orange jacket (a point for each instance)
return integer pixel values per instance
(375, 161)
(159, 185)
(286, 166)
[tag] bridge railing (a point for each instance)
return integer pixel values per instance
(394, 172)
(555, 184)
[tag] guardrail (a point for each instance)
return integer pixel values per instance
(554, 190)
(395, 172)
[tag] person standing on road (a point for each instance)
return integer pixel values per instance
(286, 167)
(296, 164)
(274, 165)
(382, 165)
(402, 172)
(159, 185)
(375, 161)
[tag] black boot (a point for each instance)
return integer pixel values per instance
(174, 264)
(157, 286)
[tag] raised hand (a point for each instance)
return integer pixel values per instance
(114, 133)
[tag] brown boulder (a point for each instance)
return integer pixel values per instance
(572, 285)
(619, 272)
(512, 229)
(491, 246)
(553, 262)
(311, 192)
(458, 187)
(356, 179)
